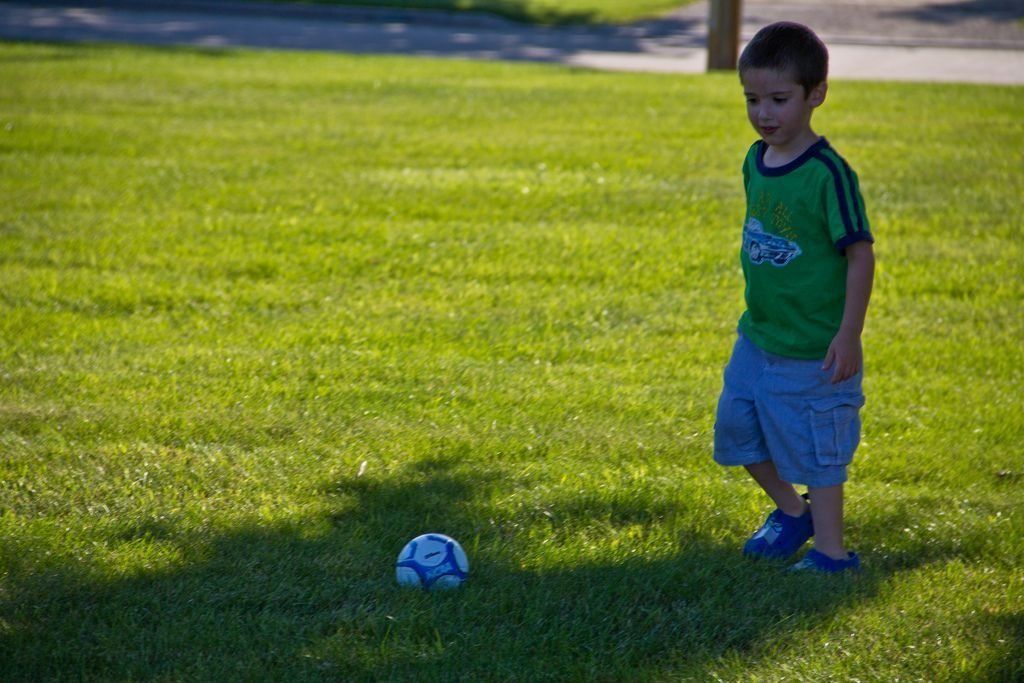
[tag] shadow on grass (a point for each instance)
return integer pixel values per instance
(954, 12)
(369, 31)
(34, 58)
(72, 48)
(317, 601)
(1011, 667)
(514, 10)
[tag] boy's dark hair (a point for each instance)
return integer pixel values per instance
(788, 46)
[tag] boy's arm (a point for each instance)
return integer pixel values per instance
(845, 350)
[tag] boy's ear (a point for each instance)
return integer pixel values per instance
(816, 97)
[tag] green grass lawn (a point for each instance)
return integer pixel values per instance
(230, 281)
(533, 11)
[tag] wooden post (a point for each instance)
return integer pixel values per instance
(724, 33)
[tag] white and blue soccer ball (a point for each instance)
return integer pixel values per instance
(432, 561)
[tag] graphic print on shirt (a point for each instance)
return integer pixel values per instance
(764, 247)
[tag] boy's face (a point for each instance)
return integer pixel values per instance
(779, 109)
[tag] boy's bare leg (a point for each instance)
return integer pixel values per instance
(827, 513)
(782, 492)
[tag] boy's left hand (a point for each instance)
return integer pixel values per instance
(846, 355)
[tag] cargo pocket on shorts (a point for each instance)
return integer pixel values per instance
(835, 424)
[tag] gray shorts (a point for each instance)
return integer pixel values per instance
(787, 411)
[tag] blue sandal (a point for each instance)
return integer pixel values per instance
(820, 562)
(781, 535)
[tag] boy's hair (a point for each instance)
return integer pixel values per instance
(788, 46)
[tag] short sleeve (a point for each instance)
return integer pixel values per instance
(847, 217)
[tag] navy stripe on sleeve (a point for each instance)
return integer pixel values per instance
(853, 194)
(838, 180)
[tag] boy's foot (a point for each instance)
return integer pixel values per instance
(820, 562)
(781, 535)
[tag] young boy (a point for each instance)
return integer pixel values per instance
(789, 409)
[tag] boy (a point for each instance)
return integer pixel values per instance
(789, 409)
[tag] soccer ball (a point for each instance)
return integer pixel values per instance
(432, 561)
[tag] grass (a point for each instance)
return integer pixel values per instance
(228, 279)
(534, 11)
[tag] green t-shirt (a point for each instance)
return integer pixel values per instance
(800, 219)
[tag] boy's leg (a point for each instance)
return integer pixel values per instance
(782, 492)
(827, 512)
(788, 526)
(739, 440)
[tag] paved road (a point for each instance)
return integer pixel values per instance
(935, 40)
